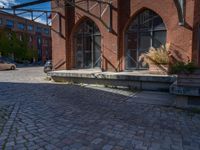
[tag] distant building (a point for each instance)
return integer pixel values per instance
(39, 34)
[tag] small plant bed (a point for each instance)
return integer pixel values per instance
(188, 74)
(184, 68)
(187, 87)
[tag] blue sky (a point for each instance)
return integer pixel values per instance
(44, 6)
(8, 3)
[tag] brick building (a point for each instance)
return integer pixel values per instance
(39, 34)
(111, 34)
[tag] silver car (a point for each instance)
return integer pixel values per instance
(48, 66)
(6, 65)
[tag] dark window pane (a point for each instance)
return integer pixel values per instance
(30, 27)
(145, 41)
(39, 29)
(46, 31)
(132, 40)
(21, 26)
(87, 45)
(131, 58)
(9, 23)
(97, 51)
(96, 30)
(79, 40)
(88, 27)
(134, 25)
(145, 31)
(158, 24)
(1, 21)
(159, 38)
(145, 20)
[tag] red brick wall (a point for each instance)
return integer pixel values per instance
(62, 44)
(109, 40)
(112, 43)
(58, 33)
(180, 38)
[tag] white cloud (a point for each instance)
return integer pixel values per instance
(7, 3)
(39, 20)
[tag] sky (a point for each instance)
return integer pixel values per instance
(43, 6)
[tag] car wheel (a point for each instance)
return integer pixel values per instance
(12, 68)
(45, 70)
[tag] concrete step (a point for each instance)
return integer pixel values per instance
(133, 80)
(154, 98)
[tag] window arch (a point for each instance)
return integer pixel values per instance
(146, 30)
(87, 42)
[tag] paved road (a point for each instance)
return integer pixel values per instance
(39, 114)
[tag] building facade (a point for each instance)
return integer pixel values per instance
(39, 35)
(112, 34)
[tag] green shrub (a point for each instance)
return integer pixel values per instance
(182, 67)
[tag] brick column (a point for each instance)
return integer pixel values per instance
(62, 22)
(196, 38)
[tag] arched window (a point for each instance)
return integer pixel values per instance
(87, 45)
(145, 31)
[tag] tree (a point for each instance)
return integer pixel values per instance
(4, 43)
(13, 46)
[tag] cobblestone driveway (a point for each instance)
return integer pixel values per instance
(45, 115)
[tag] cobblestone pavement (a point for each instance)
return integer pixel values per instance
(46, 115)
(5, 111)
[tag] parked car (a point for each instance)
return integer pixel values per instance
(48, 66)
(6, 65)
(7, 59)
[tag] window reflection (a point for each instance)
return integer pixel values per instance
(146, 30)
(88, 45)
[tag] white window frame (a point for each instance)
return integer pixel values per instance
(20, 37)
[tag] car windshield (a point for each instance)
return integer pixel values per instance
(5, 62)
